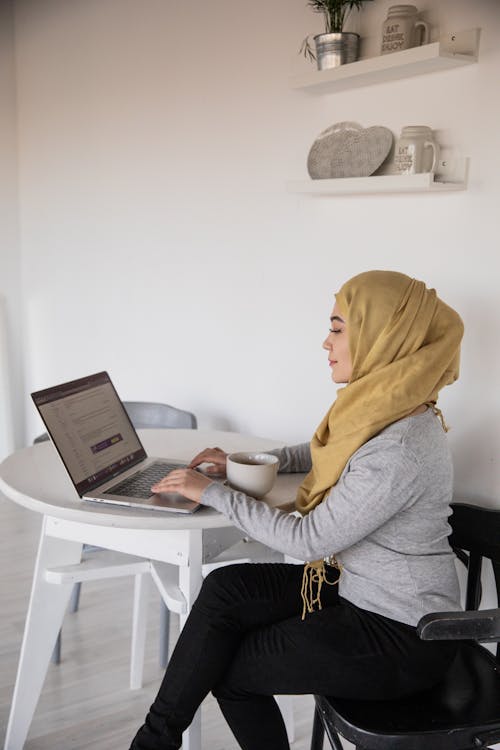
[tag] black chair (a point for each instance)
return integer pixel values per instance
(463, 711)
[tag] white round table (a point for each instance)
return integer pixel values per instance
(35, 478)
(171, 547)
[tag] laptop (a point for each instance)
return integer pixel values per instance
(100, 448)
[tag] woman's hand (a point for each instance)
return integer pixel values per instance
(214, 456)
(191, 483)
(188, 482)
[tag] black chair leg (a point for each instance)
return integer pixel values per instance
(318, 732)
(320, 727)
(333, 737)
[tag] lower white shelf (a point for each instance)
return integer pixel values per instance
(425, 182)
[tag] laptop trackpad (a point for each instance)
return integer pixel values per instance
(172, 500)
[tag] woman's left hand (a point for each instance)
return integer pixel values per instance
(188, 482)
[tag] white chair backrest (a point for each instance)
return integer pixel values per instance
(147, 414)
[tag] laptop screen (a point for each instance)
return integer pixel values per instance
(91, 430)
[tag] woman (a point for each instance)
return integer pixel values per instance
(374, 510)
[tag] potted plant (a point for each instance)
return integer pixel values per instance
(335, 46)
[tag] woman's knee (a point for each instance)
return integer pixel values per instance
(224, 587)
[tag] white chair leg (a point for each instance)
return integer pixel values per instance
(139, 625)
(56, 653)
(74, 602)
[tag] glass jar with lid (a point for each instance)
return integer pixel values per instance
(403, 29)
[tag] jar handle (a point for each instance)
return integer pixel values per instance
(424, 36)
(434, 154)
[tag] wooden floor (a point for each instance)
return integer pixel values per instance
(85, 702)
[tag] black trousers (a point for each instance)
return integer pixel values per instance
(244, 641)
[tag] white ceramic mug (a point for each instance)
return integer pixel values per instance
(402, 29)
(252, 473)
(416, 150)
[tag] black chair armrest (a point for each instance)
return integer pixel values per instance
(482, 625)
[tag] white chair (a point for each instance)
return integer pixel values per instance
(98, 564)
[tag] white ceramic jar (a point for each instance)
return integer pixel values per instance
(402, 29)
(416, 150)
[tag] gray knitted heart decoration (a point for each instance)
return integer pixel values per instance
(348, 150)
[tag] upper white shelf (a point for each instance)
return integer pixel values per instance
(453, 50)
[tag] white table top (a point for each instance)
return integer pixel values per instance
(35, 478)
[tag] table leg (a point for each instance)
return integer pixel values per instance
(190, 580)
(46, 609)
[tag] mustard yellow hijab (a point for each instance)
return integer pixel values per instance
(405, 345)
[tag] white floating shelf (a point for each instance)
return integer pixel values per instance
(453, 50)
(426, 182)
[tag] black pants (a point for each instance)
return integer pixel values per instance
(245, 641)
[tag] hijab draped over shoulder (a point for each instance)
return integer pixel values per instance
(404, 343)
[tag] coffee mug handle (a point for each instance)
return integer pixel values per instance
(434, 154)
(424, 37)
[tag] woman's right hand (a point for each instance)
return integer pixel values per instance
(216, 457)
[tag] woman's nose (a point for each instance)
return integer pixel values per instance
(327, 344)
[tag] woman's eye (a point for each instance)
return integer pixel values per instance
(335, 330)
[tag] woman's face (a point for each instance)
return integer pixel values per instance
(337, 346)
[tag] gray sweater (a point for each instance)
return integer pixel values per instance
(385, 520)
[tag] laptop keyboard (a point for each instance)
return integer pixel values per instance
(139, 485)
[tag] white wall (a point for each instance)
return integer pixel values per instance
(159, 241)
(11, 400)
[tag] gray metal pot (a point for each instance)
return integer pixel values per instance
(336, 49)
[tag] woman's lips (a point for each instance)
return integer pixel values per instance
(332, 362)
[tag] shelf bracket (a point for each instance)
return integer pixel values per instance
(460, 43)
(452, 169)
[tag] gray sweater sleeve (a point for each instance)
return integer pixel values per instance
(377, 482)
(294, 458)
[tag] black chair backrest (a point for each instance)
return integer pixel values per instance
(476, 531)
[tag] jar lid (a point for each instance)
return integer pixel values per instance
(396, 10)
(416, 129)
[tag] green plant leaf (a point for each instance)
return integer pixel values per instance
(335, 12)
(307, 50)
